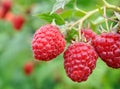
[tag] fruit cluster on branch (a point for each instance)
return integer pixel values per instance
(81, 55)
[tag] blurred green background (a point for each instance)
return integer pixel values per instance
(15, 51)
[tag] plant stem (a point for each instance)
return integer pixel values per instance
(111, 19)
(105, 3)
(109, 6)
(90, 13)
(116, 8)
(106, 20)
(77, 9)
(80, 10)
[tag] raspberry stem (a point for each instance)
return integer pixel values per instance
(90, 13)
(106, 20)
(111, 19)
(77, 9)
(109, 6)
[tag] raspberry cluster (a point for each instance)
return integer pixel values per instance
(80, 57)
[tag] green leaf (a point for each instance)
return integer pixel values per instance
(79, 14)
(71, 34)
(59, 4)
(49, 17)
(58, 19)
(67, 13)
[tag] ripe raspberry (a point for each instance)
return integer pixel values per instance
(79, 61)
(18, 22)
(89, 34)
(6, 6)
(47, 43)
(107, 46)
(28, 68)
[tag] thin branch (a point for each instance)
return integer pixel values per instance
(77, 9)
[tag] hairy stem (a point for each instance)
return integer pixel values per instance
(90, 13)
(106, 20)
(77, 9)
(109, 6)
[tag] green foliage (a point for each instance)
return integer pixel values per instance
(59, 4)
(71, 34)
(50, 17)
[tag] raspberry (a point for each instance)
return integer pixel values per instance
(107, 46)
(88, 34)
(48, 43)
(6, 6)
(79, 61)
(18, 22)
(28, 68)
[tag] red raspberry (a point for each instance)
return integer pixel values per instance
(107, 46)
(6, 6)
(89, 34)
(18, 22)
(28, 68)
(47, 43)
(79, 61)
